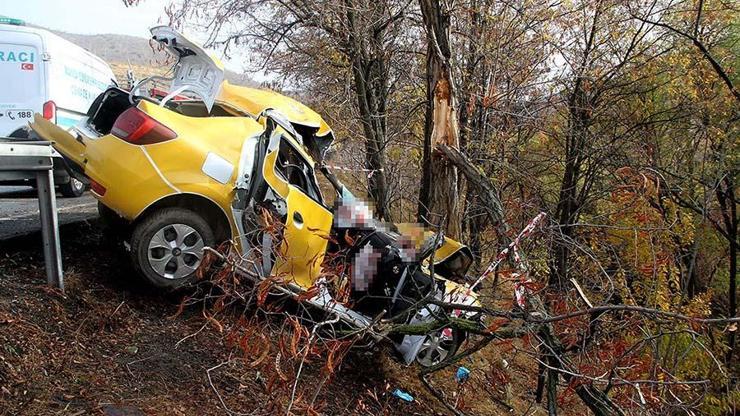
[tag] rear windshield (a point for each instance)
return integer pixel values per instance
(20, 72)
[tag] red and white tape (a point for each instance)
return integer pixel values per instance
(370, 172)
(513, 247)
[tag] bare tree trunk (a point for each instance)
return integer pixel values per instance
(733, 290)
(438, 194)
(486, 191)
(473, 119)
(552, 388)
(375, 133)
(568, 207)
(371, 84)
(568, 201)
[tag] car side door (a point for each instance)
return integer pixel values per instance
(289, 172)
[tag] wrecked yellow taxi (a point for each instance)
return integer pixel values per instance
(211, 162)
(172, 166)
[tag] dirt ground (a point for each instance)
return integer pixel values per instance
(109, 345)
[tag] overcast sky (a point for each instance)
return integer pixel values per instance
(88, 16)
(96, 16)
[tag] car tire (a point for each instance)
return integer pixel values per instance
(166, 246)
(435, 348)
(22, 133)
(72, 189)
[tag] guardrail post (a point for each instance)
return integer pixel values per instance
(50, 228)
(29, 160)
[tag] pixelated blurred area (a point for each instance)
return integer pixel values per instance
(353, 212)
(365, 268)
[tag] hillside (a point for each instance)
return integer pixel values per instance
(120, 51)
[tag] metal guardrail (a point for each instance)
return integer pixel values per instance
(37, 157)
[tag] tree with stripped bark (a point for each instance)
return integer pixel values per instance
(439, 193)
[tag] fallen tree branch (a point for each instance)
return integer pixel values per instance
(491, 203)
(596, 400)
(535, 319)
(639, 309)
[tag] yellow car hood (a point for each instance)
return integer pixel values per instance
(449, 247)
(315, 135)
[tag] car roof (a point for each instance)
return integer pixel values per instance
(256, 100)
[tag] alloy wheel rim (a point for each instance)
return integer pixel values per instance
(175, 251)
(433, 350)
(76, 184)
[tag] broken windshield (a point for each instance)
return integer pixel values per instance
(297, 171)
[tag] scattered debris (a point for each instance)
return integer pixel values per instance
(462, 375)
(112, 410)
(403, 395)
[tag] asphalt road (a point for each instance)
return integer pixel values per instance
(19, 210)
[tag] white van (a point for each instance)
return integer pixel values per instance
(42, 73)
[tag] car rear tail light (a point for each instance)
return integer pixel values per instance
(97, 188)
(135, 126)
(50, 111)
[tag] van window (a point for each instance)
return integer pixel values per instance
(296, 170)
(21, 73)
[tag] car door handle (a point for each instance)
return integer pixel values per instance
(297, 218)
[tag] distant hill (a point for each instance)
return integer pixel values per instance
(120, 50)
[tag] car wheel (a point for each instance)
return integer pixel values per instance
(21, 133)
(438, 346)
(167, 246)
(72, 189)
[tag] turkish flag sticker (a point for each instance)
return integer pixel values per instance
(27, 67)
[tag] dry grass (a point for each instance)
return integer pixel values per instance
(109, 345)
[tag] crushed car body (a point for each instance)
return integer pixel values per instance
(212, 162)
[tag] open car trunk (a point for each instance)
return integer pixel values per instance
(105, 110)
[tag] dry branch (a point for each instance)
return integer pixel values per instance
(475, 176)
